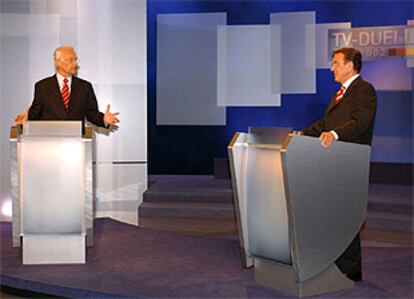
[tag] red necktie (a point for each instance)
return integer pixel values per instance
(339, 94)
(65, 94)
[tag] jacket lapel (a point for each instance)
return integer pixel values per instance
(332, 104)
(352, 86)
(74, 90)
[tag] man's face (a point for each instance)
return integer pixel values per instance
(67, 62)
(343, 70)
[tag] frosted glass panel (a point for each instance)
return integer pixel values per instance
(29, 25)
(244, 67)
(128, 143)
(60, 162)
(13, 6)
(26, 46)
(112, 52)
(40, 36)
(112, 49)
(112, 40)
(119, 190)
(323, 58)
(68, 31)
(266, 205)
(187, 69)
(67, 11)
(67, 8)
(293, 59)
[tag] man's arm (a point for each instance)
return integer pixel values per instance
(95, 116)
(35, 111)
(92, 111)
(315, 129)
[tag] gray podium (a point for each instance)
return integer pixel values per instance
(52, 195)
(298, 205)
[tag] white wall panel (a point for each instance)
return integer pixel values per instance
(128, 143)
(244, 67)
(25, 57)
(293, 54)
(112, 40)
(187, 69)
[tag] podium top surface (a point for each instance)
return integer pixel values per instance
(53, 128)
(267, 135)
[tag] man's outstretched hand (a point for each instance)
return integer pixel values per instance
(20, 119)
(109, 117)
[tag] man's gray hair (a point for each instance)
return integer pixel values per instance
(57, 54)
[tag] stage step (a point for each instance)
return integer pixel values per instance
(188, 188)
(389, 221)
(187, 210)
(390, 207)
(188, 196)
(197, 196)
(202, 197)
(391, 198)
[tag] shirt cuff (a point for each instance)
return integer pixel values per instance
(335, 134)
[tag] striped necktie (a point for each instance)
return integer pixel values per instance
(339, 94)
(65, 94)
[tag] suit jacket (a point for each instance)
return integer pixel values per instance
(48, 104)
(353, 117)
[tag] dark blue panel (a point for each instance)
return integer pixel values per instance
(394, 114)
(191, 149)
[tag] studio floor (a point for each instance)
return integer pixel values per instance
(185, 257)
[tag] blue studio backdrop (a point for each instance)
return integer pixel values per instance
(187, 149)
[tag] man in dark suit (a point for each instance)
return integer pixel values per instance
(350, 117)
(64, 96)
(351, 112)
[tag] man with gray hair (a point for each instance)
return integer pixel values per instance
(64, 96)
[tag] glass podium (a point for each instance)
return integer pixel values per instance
(298, 206)
(52, 191)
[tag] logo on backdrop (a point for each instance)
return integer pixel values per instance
(375, 42)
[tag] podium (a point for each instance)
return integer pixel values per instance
(52, 191)
(298, 206)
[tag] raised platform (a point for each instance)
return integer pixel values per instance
(192, 198)
(199, 204)
(129, 261)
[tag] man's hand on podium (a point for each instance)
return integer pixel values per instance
(21, 118)
(109, 117)
(327, 138)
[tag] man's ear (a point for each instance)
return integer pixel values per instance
(350, 65)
